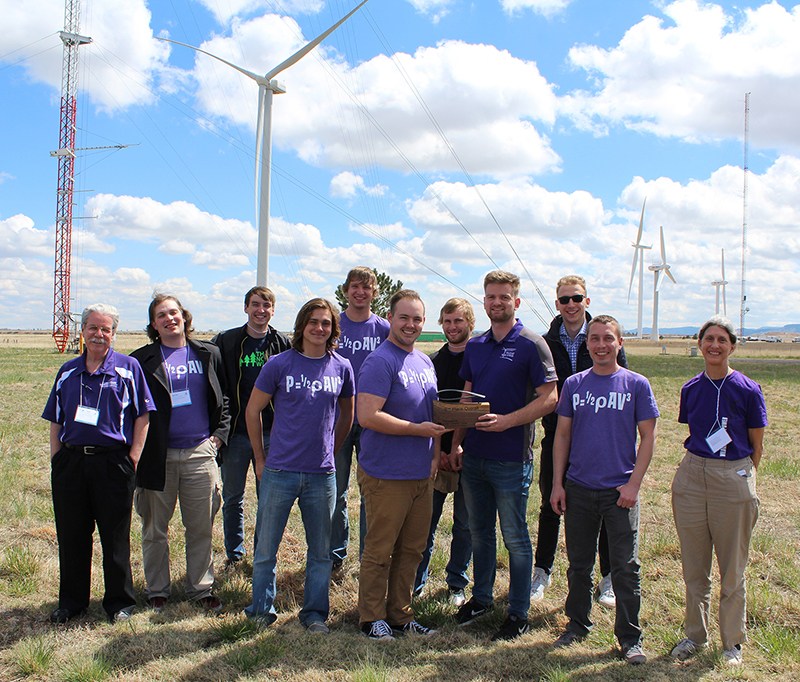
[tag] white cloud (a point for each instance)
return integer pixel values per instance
(436, 9)
(347, 185)
(390, 232)
(5, 176)
(545, 7)
(686, 77)
(230, 9)
(116, 65)
(482, 97)
(180, 226)
(18, 237)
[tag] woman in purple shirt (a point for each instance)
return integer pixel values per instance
(714, 491)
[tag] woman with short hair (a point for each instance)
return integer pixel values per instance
(714, 491)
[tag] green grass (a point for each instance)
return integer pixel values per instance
(186, 643)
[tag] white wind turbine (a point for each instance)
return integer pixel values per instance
(659, 270)
(721, 283)
(267, 86)
(639, 252)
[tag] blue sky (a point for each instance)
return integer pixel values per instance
(549, 119)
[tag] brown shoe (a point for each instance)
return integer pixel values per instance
(211, 603)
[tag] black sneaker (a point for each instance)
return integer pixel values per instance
(414, 628)
(378, 630)
(567, 638)
(512, 628)
(470, 611)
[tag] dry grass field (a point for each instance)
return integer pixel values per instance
(184, 643)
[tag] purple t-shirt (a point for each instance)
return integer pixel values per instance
(305, 392)
(358, 339)
(188, 424)
(605, 411)
(507, 373)
(118, 390)
(408, 383)
(741, 405)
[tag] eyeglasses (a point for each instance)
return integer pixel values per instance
(563, 300)
(94, 329)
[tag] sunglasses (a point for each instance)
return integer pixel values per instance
(563, 300)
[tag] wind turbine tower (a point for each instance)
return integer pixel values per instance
(66, 170)
(639, 253)
(268, 86)
(721, 282)
(659, 270)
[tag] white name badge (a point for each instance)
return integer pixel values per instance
(87, 415)
(718, 440)
(181, 398)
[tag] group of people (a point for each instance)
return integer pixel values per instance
(166, 423)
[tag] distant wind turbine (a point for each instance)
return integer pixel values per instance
(267, 86)
(639, 252)
(721, 283)
(659, 270)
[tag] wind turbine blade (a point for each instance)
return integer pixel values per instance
(633, 273)
(262, 93)
(669, 274)
(258, 79)
(722, 261)
(303, 51)
(724, 301)
(663, 248)
(641, 224)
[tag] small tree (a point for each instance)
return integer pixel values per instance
(380, 302)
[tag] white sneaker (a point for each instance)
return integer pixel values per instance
(456, 597)
(684, 649)
(605, 593)
(732, 657)
(540, 581)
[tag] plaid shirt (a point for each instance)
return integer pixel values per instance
(572, 346)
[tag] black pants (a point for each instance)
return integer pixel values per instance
(549, 521)
(89, 490)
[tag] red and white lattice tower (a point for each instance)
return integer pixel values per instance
(66, 165)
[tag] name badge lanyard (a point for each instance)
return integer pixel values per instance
(718, 437)
(183, 397)
(85, 414)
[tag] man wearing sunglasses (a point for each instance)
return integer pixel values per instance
(567, 341)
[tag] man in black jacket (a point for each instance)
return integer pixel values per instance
(187, 382)
(244, 351)
(567, 341)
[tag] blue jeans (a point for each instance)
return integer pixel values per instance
(237, 457)
(493, 488)
(340, 528)
(316, 494)
(460, 545)
(586, 510)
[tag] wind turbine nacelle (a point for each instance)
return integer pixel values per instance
(277, 87)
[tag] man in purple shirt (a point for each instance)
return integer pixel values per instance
(362, 331)
(399, 456)
(513, 367)
(99, 413)
(602, 481)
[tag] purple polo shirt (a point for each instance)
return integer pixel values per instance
(408, 383)
(741, 406)
(117, 389)
(507, 373)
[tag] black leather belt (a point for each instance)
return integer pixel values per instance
(95, 449)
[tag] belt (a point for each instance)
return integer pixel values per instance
(95, 449)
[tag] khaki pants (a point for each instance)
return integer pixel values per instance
(192, 476)
(398, 521)
(715, 508)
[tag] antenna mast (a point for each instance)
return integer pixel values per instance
(66, 165)
(744, 308)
